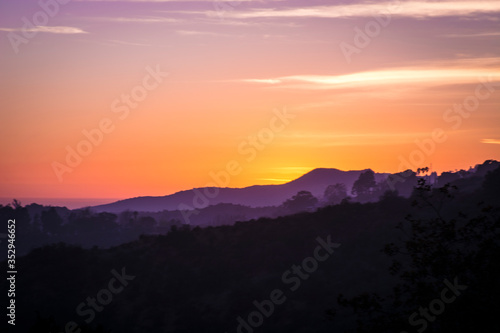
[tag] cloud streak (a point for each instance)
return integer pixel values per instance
(200, 33)
(380, 77)
(491, 141)
(49, 29)
(136, 19)
(481, 34)
(416, 9)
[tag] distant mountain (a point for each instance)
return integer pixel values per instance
(314, 181)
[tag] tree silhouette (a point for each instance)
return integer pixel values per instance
(364, 185)
(147, 223)
(51, 221)
(422, 171)
(491, 183)
(302, 201)
(402, 182)
(335, 193)
(16, 204)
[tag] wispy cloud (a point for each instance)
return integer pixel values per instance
(121, 42)
(213, 17)
(154, 19)
(481, 34)
(492, 141)
(411, 75)
(199, 33)
(417, 9)
(246, 23)
(49, 29)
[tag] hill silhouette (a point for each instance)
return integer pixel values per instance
(315, 181)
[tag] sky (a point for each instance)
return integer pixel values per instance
(118, 99)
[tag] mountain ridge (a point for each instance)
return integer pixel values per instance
(314, 181)
(255, 196)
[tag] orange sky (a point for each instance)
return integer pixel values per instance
(232, 75)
